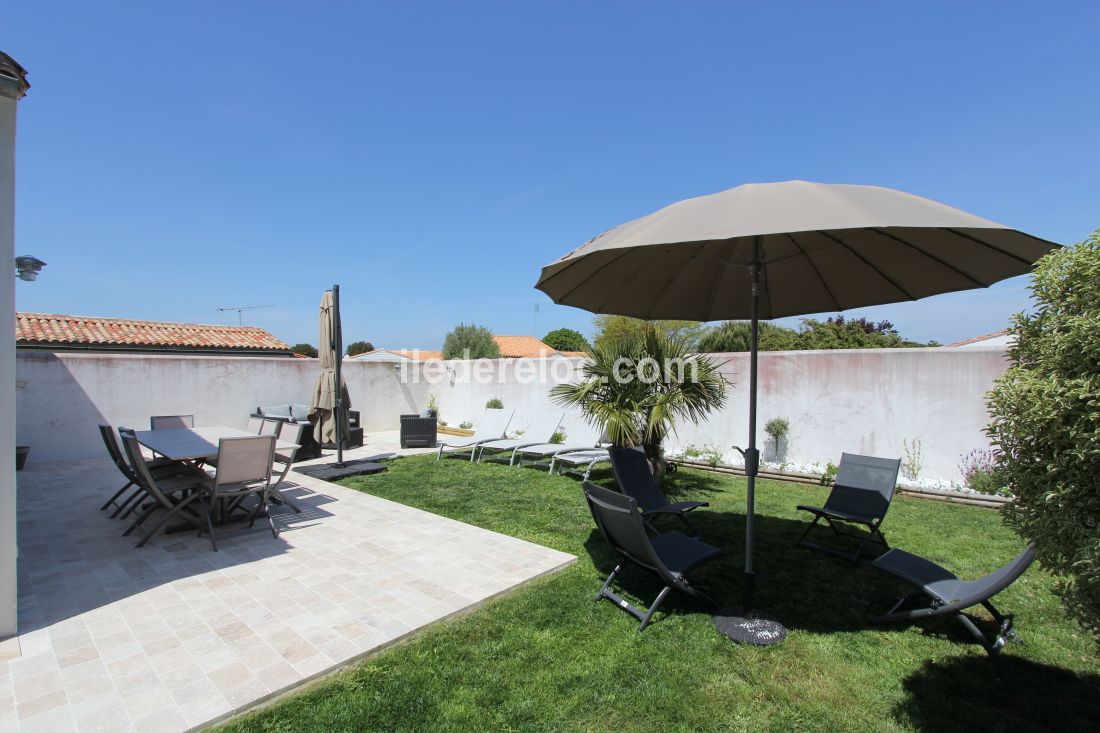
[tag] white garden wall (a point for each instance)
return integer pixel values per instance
(859, 401)
(62, 396)
(865, 401)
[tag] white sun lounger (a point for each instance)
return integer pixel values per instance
(493, 426)
(539, 432)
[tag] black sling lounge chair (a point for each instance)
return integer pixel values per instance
(636, 480)
(861, 495)
(668, 556)
(947, 594)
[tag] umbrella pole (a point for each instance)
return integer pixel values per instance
(752, 455)
(338, 350)
(746, 625)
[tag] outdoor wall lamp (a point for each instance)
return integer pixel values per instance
(27, 267)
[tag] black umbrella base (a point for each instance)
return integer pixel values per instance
(759, 629)
(334, 472)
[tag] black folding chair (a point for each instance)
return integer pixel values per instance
(636, 480)
(947, 594)
(861, 495)
(668, 556)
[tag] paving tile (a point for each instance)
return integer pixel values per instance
(58, 720)
(29, 706)
(103, 713)
(173, 636)
(167, 720)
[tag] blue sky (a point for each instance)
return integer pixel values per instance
(174, 158)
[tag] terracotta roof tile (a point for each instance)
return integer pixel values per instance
(420, 354)
(42, 328)
(512, 347)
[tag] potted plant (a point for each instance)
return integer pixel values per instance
(778, 428)
(433, 407)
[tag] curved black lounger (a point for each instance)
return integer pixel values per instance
(950, 595)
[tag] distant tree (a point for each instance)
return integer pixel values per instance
(839, 332)
(735, 335)
(359, 347)
(470, 342)
(305, 350)
(566, 339)
(612, 329)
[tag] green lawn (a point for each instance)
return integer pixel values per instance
(547, 658)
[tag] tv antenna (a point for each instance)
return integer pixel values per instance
(242, 309)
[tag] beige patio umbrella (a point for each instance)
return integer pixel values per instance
(781, 249)
(324, 409)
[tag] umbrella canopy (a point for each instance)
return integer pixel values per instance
(322, 408)
(822, 247)
(783, 249)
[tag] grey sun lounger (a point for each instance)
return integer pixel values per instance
(861, 495)
(585, 438)
(540, 431)
(947, 594)
(636, 480)
(493, 426)
(669, 556)
(582, 461)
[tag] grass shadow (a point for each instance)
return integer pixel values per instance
(1006, 693)
(804, 589)
(692, 483)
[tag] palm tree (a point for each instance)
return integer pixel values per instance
(637, 388)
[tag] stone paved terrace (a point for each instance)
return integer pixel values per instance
(174, 636)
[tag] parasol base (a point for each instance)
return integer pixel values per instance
(336, 471)
(758, 629)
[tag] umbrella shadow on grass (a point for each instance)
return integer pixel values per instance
(804, 589)
(1009, 693)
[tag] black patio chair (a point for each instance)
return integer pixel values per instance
(669, 556)
(947, 594)
(861, 495)
(636, 480)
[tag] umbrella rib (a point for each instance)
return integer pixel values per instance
(820, 277)
(585, 281)
(933, 257)
(671, 280)
(726, 264)
(867, 262)
(996, 249)
(625, 282)
(764, 272)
